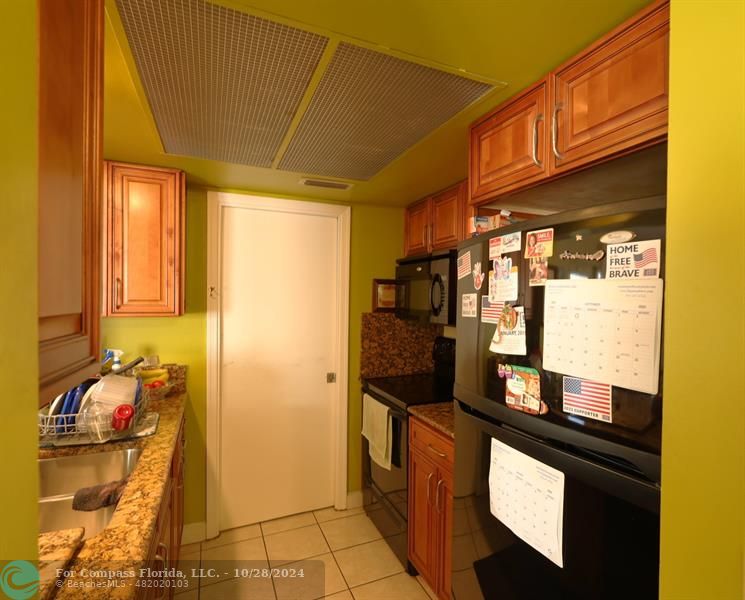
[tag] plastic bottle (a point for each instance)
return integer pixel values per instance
(116, 355)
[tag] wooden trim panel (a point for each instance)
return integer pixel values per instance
(70, 141)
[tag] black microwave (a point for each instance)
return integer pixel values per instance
(426, 288)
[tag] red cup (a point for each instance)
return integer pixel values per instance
(121, 419)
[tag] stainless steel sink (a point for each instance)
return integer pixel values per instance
(60, 478)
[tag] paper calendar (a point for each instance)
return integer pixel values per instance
(528, 497)
(604, 330)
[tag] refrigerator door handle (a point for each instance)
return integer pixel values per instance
(641, 493)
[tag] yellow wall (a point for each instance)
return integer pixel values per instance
(181, 340)
(703, 466)
(18, 296)
(377, 240)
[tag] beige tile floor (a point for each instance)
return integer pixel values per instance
(356, 561)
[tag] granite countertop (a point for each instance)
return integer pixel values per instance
(125, 543)
(441, 416)
(56, 548)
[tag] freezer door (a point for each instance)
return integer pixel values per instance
(610, 545)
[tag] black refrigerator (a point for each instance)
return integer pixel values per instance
(558, 406)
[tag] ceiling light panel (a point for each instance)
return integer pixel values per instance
(369, 108)
(222, 84)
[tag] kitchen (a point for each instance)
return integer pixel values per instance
(700, 552)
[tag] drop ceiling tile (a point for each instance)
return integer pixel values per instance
(222, 84)
(369, 108)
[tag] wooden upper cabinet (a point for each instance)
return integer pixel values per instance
(437, 222)
(447, 217)
(613, 96)
(416, 234)
(508, 146)
(70, 125)
(144, 240)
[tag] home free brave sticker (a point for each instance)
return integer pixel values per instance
(469, 308)
(633, 260)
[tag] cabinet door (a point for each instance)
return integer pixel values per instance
(145, 229)
(444, 530)
(416, 236)
(422, 481)
(70, 125)
(447, 217)
(509, 146)
(613, 97)
(160, 552)
(177, 503)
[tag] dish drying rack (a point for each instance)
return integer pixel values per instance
(72, 430)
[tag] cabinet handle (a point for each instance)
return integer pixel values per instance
(429, 477)
(118, 292)
(555, 131)
(164, 558)
(437, 496)
(537, 120)
(440, 454)
(165, 553)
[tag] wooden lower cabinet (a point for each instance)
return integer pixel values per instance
(166, 544)
(421, 541)
(446, 534)
(431, 505)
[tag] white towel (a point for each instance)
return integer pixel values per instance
(377, 428)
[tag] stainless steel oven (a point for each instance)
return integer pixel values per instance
(385, 493)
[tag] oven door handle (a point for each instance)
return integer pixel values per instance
(395, 411)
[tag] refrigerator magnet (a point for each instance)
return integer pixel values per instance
(464, 265)
(469, 308)
(633, 260)
(539, 243)
(523, 391)
(586, 398)
(490, 311)
(505, 281)
(509, 335)
(478, 276)
(538, 271)
(504, 244)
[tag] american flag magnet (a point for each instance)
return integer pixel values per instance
(590, 399)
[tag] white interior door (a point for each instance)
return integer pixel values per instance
(279, 318)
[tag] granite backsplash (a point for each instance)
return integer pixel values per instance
(392, 346)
